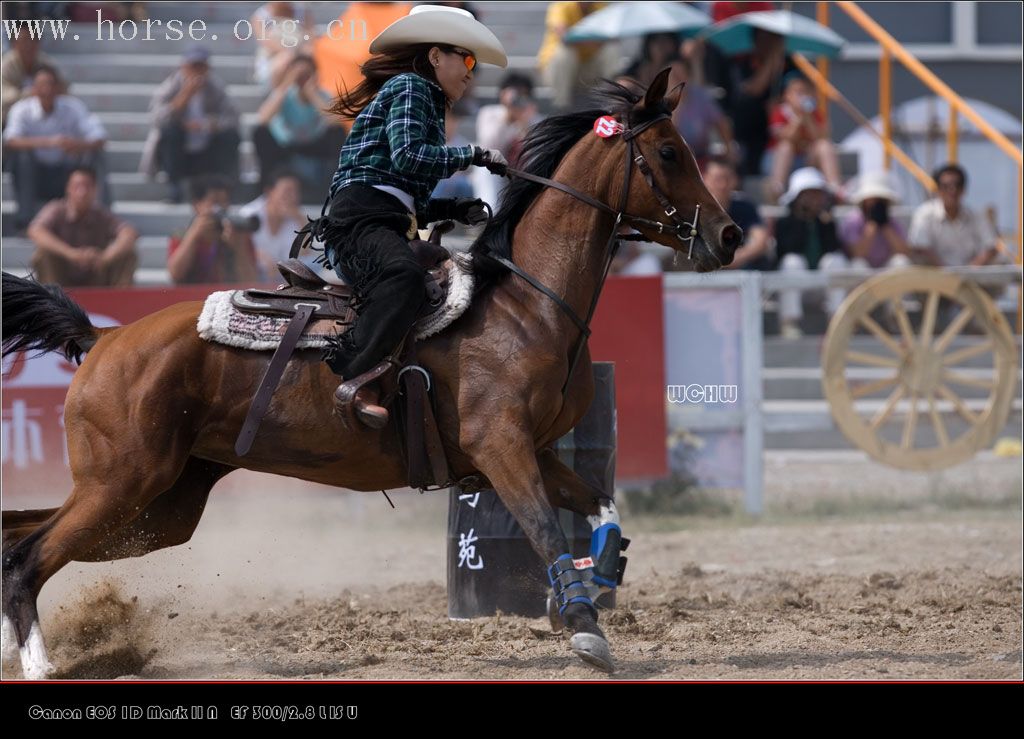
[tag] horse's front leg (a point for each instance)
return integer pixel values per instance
(568, 490)
(515, 475)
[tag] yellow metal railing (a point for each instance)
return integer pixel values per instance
(891, 48)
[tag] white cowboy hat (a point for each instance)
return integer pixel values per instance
(874, 185)
(427, 24)
(805, 178)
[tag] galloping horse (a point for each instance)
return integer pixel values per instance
(153, 411)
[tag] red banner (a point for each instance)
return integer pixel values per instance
(627, 330)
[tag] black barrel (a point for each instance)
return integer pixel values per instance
(491, 564)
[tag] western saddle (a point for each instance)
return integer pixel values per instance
(303, 296)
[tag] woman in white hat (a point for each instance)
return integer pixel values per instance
(872, 238)
(806, 239)
(393, 159)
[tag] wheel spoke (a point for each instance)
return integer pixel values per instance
(881, 335)
(910, 425)
(967, 352)
(887, 409)
(931, 309)
(870, 387)
(955, 327)
(940, 427)
(873, 359)
(906, 330)
(959, 379)
(962, 409)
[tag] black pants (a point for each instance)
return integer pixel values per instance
(219, 157)
(366, 244)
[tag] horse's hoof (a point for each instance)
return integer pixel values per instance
(593, 650)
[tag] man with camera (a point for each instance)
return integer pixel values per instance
(216, 247)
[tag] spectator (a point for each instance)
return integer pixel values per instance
(18, 68)
(569, 69)
(799, 137)
(459, 185)
(945, 232)
(871, 237)
(50, 134)
(721, 180)
(279, 220)
(281, 30)
(212, 250)
(658, 50)
(295, 130)
(806, 239)
(756, 80)
(195, 125)
(85, 12)
(80, 242)
(697, 115)
(503, 127)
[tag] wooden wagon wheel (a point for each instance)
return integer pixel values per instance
(915, 373)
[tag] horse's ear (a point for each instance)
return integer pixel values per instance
(657, 89)
(673, 98)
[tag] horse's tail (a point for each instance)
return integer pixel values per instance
(43, 317)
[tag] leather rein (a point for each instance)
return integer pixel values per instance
(685, 232)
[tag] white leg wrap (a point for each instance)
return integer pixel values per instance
(8, 641)
(34, 663)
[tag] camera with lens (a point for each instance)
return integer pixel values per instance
(879, 212)
(238, 221)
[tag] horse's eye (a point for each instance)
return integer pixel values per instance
(668, 153)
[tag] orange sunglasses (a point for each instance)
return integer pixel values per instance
(467, 57)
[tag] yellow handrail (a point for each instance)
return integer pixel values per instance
(889, 147)
(922, 72)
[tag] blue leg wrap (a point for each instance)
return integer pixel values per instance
(605, 544)
(567, 584)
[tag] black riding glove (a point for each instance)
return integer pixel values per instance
(492, 159)
(470, 211)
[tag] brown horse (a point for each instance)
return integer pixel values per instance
(153, 412)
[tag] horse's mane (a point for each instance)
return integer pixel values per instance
(545, 145)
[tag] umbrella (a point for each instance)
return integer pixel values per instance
(736, 35)
(623, 20)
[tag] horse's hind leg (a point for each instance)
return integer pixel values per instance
(101, 520)
(516, 476)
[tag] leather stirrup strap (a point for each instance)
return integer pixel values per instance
(416, 391)
(435, 449)
(261, 401)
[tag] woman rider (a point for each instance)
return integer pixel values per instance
(393, 159)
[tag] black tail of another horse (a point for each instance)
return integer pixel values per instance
(44, 318)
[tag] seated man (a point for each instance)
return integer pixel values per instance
(18, 68)
(806, 239)
(195, 125)
(721, 179)
(81, 243)
(212, 250)
(945, 232)
(48, 135)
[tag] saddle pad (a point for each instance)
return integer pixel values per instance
(220, 322)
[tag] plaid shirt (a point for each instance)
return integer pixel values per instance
(398, 139)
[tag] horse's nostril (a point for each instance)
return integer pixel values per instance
(732, 237)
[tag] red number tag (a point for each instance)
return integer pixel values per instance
(606, 126)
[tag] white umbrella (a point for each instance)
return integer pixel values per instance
(624, 20)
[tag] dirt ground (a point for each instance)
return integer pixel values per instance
(869, 578)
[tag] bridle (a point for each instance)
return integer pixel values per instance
(685, 232)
